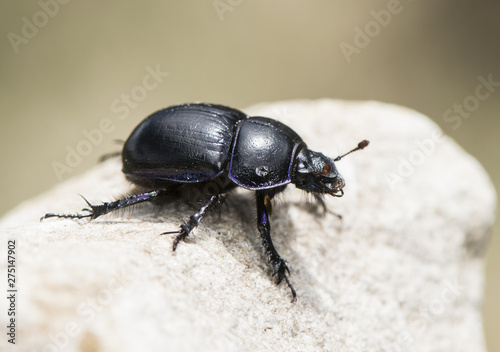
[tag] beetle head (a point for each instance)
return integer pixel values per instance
(317, 173)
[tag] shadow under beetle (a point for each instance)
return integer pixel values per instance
(212, 149)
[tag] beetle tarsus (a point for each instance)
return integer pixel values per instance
(67, 216)
(93, 212)
(294, 294)
(281, 269)
(180, 237)
(182, 234)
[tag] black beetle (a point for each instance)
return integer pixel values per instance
(212, 149)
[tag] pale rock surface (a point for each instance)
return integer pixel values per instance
(403, 270)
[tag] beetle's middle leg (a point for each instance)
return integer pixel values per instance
(279, 266)
(194, 220)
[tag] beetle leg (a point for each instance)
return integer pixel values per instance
(100, 209)
(321, 201)
(109, 156)
(194, 220)
(264, 225)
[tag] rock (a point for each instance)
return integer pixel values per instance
(403, 270)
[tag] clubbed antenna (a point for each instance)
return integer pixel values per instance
(361, 145)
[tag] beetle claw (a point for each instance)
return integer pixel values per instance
(182, 234)
(281, 269)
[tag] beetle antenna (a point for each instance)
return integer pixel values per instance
(361, 145)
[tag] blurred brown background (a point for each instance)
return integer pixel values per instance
(69, 69)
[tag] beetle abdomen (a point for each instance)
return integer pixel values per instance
(263, 153)
(183, 143)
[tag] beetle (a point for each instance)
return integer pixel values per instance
(212, 149)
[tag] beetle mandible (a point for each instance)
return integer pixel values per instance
(213, 149)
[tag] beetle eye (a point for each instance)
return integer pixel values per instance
(326, 169)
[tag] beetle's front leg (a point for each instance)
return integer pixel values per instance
(321, 201)
(279, 266)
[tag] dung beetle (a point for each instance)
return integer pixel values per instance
(208, 150)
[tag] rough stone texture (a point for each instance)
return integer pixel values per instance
(403, 271)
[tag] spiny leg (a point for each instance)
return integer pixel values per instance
(194, 220)
(106, 207)
(321, 201)
(264, 210)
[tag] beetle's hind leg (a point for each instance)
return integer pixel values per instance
(194, 220)
(96, 210)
